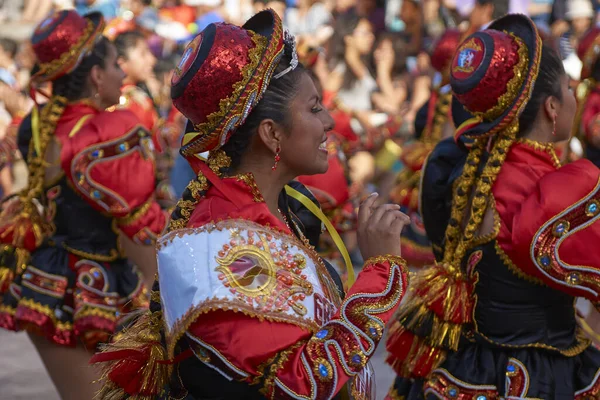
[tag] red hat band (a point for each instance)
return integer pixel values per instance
(221, 77)
(62, 40)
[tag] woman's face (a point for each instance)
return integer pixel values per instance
(364, 37)
(109, 79)
(139, 62)
(304, 150)
(566, 112)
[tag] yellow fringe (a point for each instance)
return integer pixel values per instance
(155, 375)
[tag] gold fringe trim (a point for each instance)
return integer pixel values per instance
(143, 335)
(514, 269)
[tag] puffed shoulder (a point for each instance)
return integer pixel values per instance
(555, 233)
(110, 160)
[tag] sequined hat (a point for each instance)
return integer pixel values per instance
(588, 51)
(221, 77)
(493, 72)
(62, 40)
(444, 49)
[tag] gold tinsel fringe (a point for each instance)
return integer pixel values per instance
(144, 336)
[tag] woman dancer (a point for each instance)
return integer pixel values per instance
(246, 308)
(64, 277)
(495, 318)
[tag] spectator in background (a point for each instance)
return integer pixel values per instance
(374, 11)
(310, 19)
(279, 6)
(8, 66)
(35, 10)
(108, 8)
(484, 12)
(577, 19)
(207, 12)
(351, 78)
(389, 62)
(411, 14)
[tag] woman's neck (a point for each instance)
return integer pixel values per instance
(270, 183)
(540, 134)
(129, 81)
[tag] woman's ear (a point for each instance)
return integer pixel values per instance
(270, 134)
(96, 78)
(551, 107)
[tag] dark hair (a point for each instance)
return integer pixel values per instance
(9, 46)
(345, 26)
(595, 74)
(274, 105)
(73, 86)
(126, 41)
(548, 83)
(399, 47)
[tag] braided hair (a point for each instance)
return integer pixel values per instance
(70, 87)
(481, 169)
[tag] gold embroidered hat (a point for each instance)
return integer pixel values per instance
(221, 77)
(62, 40)
(493, 73)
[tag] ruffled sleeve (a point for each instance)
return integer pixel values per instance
(555, 232)
(264, 311)
(110, 163)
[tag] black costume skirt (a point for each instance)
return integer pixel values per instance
(480, 372)
(68, 295)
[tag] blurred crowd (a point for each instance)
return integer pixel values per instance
(371, 60)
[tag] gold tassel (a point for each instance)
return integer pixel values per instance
(136, 362)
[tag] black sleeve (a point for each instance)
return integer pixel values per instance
(24, 135)
(443, 167)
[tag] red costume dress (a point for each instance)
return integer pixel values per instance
(247, 307)
(495, 319)
(136, 100)
(62, 272)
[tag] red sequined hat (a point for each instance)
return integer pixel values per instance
(62, 40)
(444, 49)
(221, 77)
(493, 73)
(588, 51)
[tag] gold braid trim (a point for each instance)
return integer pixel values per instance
(113, 256)
(137, 214)
(440, 117)
(393, 260)
(514, 269)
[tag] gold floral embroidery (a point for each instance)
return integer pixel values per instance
(248, 179)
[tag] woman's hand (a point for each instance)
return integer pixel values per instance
(379, 228)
